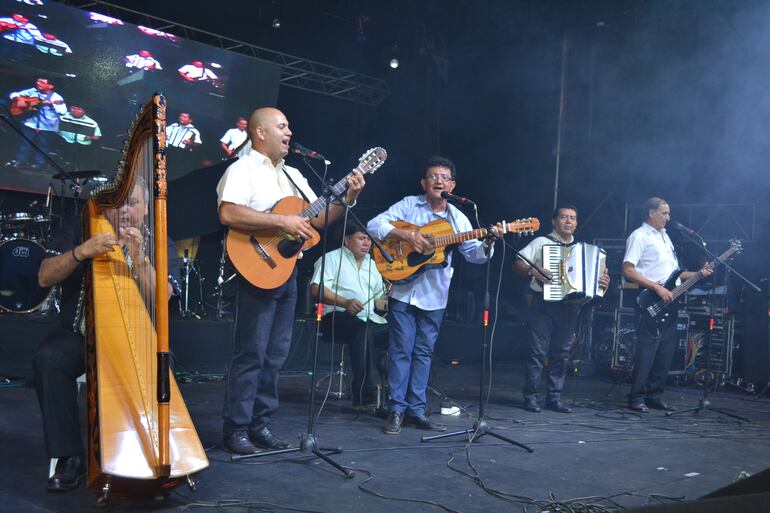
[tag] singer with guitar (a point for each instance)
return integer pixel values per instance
(40, 108)
(416, 306)
(247, 192)
(649, 261)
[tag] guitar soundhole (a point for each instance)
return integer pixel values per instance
(415, 258)
(289, 248)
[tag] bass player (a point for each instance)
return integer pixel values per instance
(649, 261)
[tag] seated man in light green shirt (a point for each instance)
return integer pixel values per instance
(354, 288)
(76, 127)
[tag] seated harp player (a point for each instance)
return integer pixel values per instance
(141, 441)
(552, 324)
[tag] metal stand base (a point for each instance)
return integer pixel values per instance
(705, 404)
(479, 429)
(307, 444)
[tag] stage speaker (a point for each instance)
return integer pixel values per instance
(755, 347)
(750, 495)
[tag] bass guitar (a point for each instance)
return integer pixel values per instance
(654, 312)
(407, 260)
(266, 258)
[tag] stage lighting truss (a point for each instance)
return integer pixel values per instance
(296, 72)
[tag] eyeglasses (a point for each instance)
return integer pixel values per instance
(443, 178)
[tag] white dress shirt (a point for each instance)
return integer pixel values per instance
(652, 253)
(253, 181)
(234, 138)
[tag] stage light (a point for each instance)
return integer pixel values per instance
(276, 24)
(394, 63)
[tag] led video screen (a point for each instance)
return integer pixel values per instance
(71, 82)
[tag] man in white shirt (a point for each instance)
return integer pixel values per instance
(183, 134)
(552, 324)
(650, 260)
(234, 137)
(247, 192)
(416, 306)
(353, 287)
(143, 61)
(196, 71)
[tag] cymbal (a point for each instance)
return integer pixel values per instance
(88, 173)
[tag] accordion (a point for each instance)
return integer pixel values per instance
(576, 270)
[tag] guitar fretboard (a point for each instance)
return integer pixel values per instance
(457, 238)
(685, 286)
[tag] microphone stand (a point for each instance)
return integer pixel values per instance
(703, 402)
(308, 442)
(481, 427)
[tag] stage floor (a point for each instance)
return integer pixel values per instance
(600, 450)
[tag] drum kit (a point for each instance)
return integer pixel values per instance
(24, 236)
(23, 240)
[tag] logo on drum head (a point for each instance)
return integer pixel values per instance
(20, 252)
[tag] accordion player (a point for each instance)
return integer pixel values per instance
(576, 270)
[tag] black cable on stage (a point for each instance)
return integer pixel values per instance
(396, 498)
(240, 504)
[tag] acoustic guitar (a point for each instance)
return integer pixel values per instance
(266, 258)
(24, 104)
(407, 260)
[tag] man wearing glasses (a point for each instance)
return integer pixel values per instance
(416, 305)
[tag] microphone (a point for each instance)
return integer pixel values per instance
(456, 199)
(682, 228)
(306, 152)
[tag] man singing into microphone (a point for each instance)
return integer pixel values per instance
(649, 261)
(247, 192)
(416, 307)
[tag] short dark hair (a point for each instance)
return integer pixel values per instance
(653, 203)
(563, 207)
(438, 161)
(352, 228)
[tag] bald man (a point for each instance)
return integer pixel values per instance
(246, 194)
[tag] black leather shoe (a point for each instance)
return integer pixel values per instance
(531, 405)
(423, 422)
(558, 406)
(265, 439)
(638, 406)
(657, 404)
(393, 424)
(238, 442)
(70, 471)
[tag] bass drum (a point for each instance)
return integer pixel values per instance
(19, 263)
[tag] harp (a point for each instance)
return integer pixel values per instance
(141, 440)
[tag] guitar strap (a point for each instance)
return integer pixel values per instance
(560, 243)
(294, 184)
